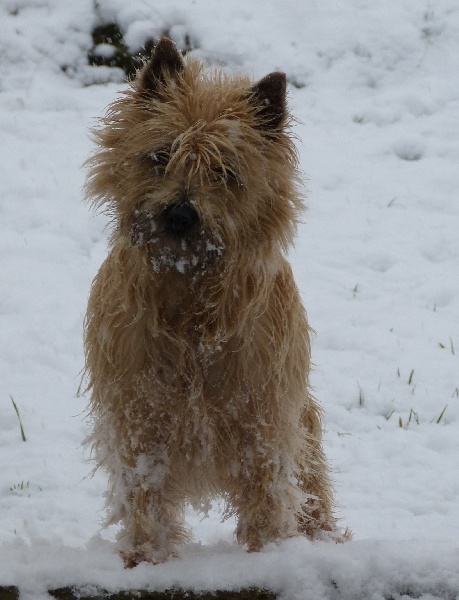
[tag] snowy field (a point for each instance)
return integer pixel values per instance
(376, 88)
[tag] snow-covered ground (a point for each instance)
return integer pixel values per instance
(376, 88)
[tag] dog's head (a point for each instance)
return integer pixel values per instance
(197, 166)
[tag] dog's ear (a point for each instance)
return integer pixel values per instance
(268, 96)
(165, 62)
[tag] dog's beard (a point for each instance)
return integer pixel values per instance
(199, 252)
(186, 256)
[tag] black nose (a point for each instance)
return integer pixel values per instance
(180, 219)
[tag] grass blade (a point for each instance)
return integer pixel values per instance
(20, 422)
(441, 414)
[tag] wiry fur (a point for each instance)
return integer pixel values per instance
(197, 346)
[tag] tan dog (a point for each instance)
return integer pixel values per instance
(197, 344)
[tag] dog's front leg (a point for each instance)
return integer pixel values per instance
(265, 498)
(150, 509)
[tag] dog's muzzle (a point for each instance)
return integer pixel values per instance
(180, 220)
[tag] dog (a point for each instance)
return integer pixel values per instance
(197, 344)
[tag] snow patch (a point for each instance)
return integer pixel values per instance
(376, 261)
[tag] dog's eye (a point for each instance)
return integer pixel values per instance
(225, 174)
(158, 159)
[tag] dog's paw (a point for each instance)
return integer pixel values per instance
(132, 558)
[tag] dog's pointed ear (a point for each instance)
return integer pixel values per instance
(165, 63)
(268, 96)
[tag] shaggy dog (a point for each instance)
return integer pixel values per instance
(197, 343)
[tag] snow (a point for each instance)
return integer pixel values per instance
(375, 87)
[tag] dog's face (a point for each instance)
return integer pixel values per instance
(196, 167)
